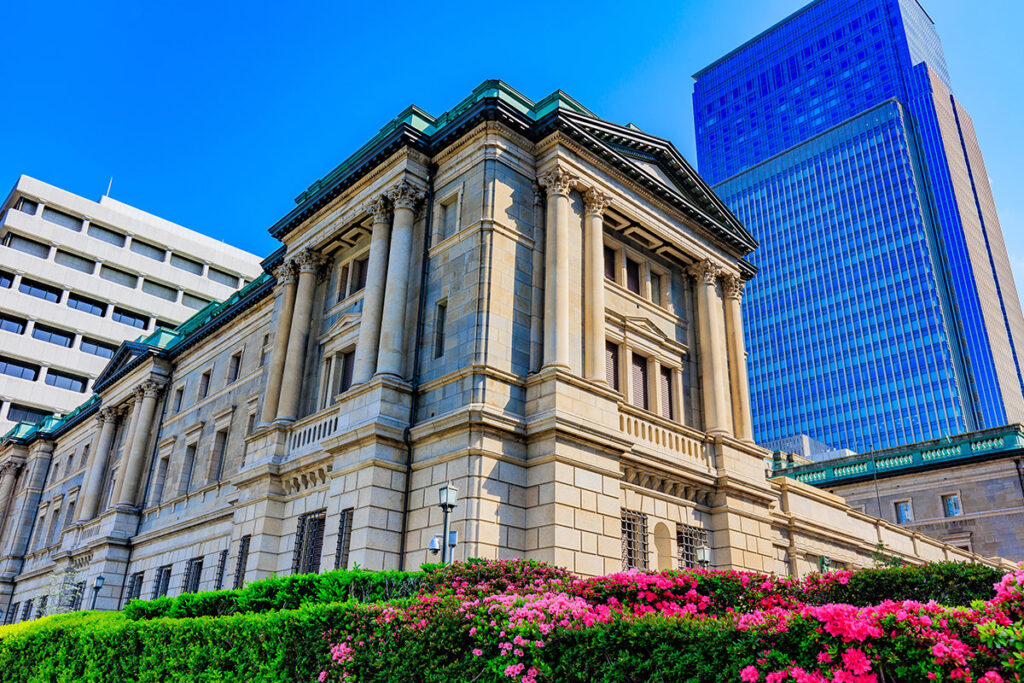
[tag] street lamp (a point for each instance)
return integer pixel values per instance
(96, 590)
(447, 495)
(703, 553)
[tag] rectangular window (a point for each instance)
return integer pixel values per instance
(251, 425)
(158, 290)
(163, 581)
(450, 217)
(41, 609)
(65, 380)
(27, 206)
(186, 470)
(187, 264)
(120, 277)
(192, 301)
(166, 325)
(193, 574)
(439, 320)
(106, 235)
(903, 512)
(234, 364)
(609, 263)
(51, 534)
(20, 413)
(65, 220)
(243, 560)
(688, 539)
(69, 516)
(74, 261)
(951, 505)
(344, 539)
(634, 539)
(6, 279)
(10, 323)
(148, 250)
(133, 590)
(39, 290)
(632, 276)
(345, 366)
(179, 393)
(159, 480)
(265, 350)
(77, 593)
(222, 277)
(665, 393)
(27, 246)
(97, 348)
(639, 382)
(130, 318)
(86, 305)
(358, 276)
(611, 364)
(309, 543)
(343, 282)
(656, 288)
(26, 610)
(222, 564)
(53, 335)
(19, 369)
(204, 385)
(220, 447)
(12, 614)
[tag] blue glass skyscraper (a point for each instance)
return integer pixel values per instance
(884, 311)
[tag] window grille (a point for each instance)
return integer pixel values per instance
(12, 613)
(634, 539)
(163, 581)
(222, 565)
(41, 608)
(243, 559)
(688, 539)
(26, 610)
(309, 542)
(134, 588)
(193, 574)
(344, 539)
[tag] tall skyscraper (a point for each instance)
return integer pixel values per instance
(884, 311)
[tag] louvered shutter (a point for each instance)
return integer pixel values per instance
(665, 389)
(640, 382)
(611, 364)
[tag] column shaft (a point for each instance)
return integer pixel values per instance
(90, 498)
(286, 277)
(392, 330)
(132, 468)
(593, 267)
(129, 437)
(556, 268)
(742, 421)
(291, 382)
(713, 364)
(8, 474)
(368, 345)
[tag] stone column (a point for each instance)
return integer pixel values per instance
(368, 346)
(133, 422)
(131, 471)
(285, 275)
(595, 203)
(558, 183)
(309, 262)
(713, 364)
(90, 497)
(677, 394)
(8, 475)
(742, 422)
(404, 198)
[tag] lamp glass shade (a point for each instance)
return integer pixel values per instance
(703, 553)
(448, 494)
(99, 581)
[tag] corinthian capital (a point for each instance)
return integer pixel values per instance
(557, 181)
(733, 287)
(380, 209)
(309, 260)
(405, 196)
(108, 414)
(595, 202)
(9, 468)
(705, 272)
(285, 273)
(152, 388)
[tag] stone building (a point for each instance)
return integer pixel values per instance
(518, 297)
(966, 490)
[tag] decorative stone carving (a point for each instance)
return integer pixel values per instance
(538, 194)
(595, 202)
(405, 196)
(733, 287)
(309, 260)
(285, 273)
(705, 272)
(152, 388)
(108, 414)
(380, 209)
(557, 181)
(9, 468)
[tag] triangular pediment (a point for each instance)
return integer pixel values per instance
(340, 326)
(126, 353)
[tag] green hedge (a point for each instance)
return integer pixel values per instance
(948, 583)
(283, 592)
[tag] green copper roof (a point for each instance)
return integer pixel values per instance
(48, 425)
(423, 122)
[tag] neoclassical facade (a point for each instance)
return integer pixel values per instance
(517, 297)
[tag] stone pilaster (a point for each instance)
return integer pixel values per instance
(286, 276)
(131, 471)
(106, 420)
(713, 351)
(742, 422)
(8, 475)
(133, 421)
(368, 345)
(558, 184)
(309, 262)
(405, 199)
(595, 203)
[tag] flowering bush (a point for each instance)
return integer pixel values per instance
(523, 622)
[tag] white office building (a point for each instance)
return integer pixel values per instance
(78, 277)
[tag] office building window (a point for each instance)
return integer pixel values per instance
(192, 301)
(121, 277)
(27, 206)
(6, 279)
(27, 246)
(222, 563)
(166, 325)
(193, 575)
(39, 290)
(243, 560)
(344, 539)
(65, 380)
(53, 335)
(611, 364)
(148, 250)
(951, 505)
(20, 413)
(665, 393)
(158, 290)
(106, 235)
(904, 513)
(222, 277)
(634, 539)
(639, 382)
(204, 384)
(10, 323)
(97, 348)
(234, 364)
(19, 369)
(162, 582)
(86, 305)
(439, 321)
(127, 317)
(309, 542)
(62, 219)
(186, 264)
(75, 262)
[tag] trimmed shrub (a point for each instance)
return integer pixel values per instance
(948, 583)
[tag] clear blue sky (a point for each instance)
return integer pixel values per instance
(216, 116)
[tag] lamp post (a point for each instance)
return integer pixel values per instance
(448, 494)
(96, 590)
(703, 553)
